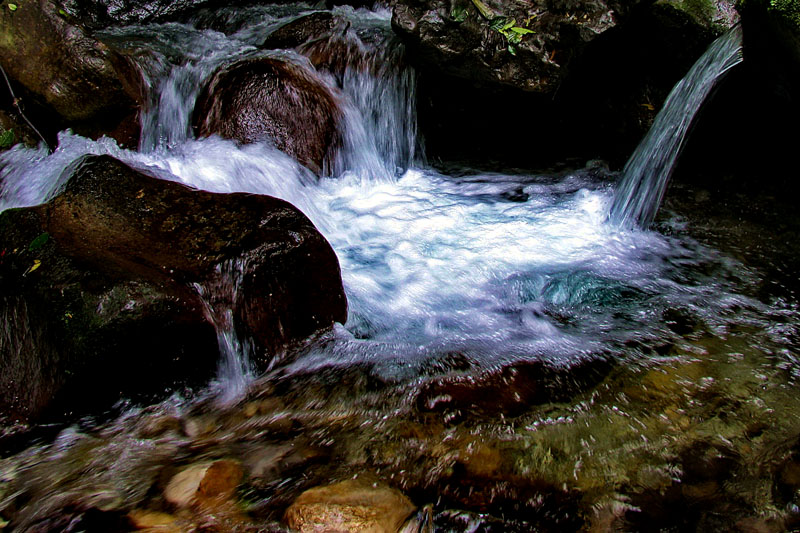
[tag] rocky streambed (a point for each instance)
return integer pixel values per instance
(339, 275)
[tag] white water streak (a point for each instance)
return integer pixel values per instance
(645, 176)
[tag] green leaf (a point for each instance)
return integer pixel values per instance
(513, 38)
(39, 241)
(498, 23)
(458, 14)
(483, 9)
(12, 7)
(6, 138)
(512, 50)
(521, 31)
(509, 24)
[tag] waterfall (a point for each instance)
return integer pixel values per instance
(645, 176)
(219, 295)
(433, 264)
(379, 106)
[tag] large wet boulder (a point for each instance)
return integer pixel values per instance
(534, 82)
(528, 45)
(57, 66)
(98, 289)
(98, 14)
(525, 45)
(269, 99)
(104, 13)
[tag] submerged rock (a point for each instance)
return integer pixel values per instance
(510, 391)
(268, 99)
(204, 484)
(352, 505)
(96, 286)
(62, 68)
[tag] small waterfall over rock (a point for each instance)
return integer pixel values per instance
(379, 134)
(219, 296)
(645, 176)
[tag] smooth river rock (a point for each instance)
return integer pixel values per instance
(272, 100)
(352, 505)
(98, 286)
(61, 68)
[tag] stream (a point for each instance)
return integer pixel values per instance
(511, 356)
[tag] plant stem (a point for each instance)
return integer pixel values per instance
(15, 101)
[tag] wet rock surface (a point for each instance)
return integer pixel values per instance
(587, 83)
(270, 100)
(98, 281)
(301, 30)
(353, 505)
(529, 45)
(60, 69)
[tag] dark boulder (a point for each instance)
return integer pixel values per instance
(97, 295)
(99, 14)
(268, 99)
(586, 83)
(302, 29)
(59, 67)
(526, 45)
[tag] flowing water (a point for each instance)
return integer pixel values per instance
(451, 280)
(645, 176)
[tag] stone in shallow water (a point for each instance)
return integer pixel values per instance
(204, 484)
(352, 505)
(270, 100)
(142, 519)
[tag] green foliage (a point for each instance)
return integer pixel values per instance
(789, 9)
(483, 9)
(7, 138)
(505, 26)
(12, 7)
(458, 14)
(39, 241)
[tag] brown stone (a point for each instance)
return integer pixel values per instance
(353, 505)
(93, 88)
(271, 100)
(111, 302)
(204, 484)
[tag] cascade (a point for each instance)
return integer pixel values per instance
(219, 295)
(508, 353)
(647, 172)
(432, 264)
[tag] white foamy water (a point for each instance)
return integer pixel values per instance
(434, 264)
